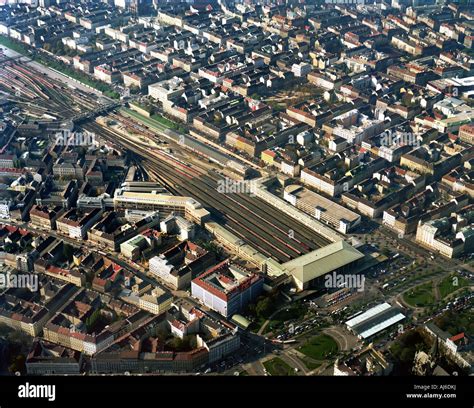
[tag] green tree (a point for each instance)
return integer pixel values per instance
(92, 319)
(264, 307)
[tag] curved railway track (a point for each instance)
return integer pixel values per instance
(46, 94)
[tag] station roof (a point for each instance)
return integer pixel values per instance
(321, 261)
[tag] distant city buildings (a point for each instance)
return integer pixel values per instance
(204, 158)
(450, 236)
(140, 351)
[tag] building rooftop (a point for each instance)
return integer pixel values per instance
(323, 260)
(375, 320)
(317, 200)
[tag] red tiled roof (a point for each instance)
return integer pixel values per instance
(457, 337)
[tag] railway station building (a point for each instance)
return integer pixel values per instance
(166, 204)
(308, 270)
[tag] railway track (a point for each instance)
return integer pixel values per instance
(225, 215)
(270, 213)
(42, 94)
(250, 218)
(261, 239)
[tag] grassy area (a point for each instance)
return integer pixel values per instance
(136, 115)
(292, 312)
(276, 366)
(450, 284)
(420, 296)
(256, 324)
(164, 121)
(319, 347)
(14, 45)
(157, 121)
(310, 364)
(59, 66)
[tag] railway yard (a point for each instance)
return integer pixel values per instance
(257, 223)
(38, 97)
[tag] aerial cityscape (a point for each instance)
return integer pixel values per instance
(237, 188)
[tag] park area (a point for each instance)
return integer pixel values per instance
(319, 347)
(277, 367)
(289, 314)
(429, 293)
(451, 284)
(420, 296)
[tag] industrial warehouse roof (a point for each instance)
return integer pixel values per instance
(375, 320)
(321, 261)
(368, 314)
